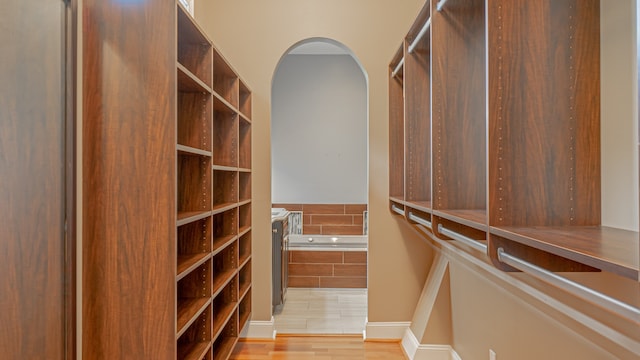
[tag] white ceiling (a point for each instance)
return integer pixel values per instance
(318, 48)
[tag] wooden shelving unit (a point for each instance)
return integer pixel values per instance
(417, 113)
(508, 153)
(213, 197)
(396, 128)
(459, 115)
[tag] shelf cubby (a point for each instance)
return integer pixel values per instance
(195, 52)
(244, 279)
(458, 74)
(244, 217)
(227, 339)
(194, 295)
(417, 115)
(194, 246)
(244, 145)
(225, 134)
(245, 100)
(194, 120)
(244, 310)
(396, 126)
(244, 252)
(195, 342)
(554, 149)
(225, 81)
(194, 184)
(244, 191)
(225, 188)
(225, 229)
(224, 305)
(225, 264)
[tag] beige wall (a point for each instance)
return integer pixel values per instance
(619, 114)
(253, 35)
(487, 315)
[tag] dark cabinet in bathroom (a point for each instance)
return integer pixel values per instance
(280, 250)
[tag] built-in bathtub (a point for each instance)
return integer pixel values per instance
(328, 242)
(325, 261)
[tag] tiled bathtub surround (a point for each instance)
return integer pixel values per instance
(327, 269)
(330, 219)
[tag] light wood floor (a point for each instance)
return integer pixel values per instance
(322, 311)
(344, 347)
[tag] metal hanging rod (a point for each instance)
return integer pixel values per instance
(398, 67)
(397, 209)
(463, 239)
(589, 294)
(420, 220)
(423, 31)
(440, 5)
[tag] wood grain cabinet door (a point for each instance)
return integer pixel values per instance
(33, 187)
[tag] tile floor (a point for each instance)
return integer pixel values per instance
(322, 311)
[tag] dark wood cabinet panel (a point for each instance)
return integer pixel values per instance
(544, 116)
(396, 126)
(418, 116)
(129, 159)
(458, 76)
(36, 184)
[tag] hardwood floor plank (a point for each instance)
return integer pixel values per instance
(317, 348)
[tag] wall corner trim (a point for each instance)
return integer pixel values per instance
(385, 330)
(262, 330)
(416, 351)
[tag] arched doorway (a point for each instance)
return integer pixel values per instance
(319, 147)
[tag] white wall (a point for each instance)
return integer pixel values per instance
(319, 131)
(619, 124)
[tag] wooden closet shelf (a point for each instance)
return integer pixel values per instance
(476, 219)
(221, 279)
(222, 243)
(187, 26)
(243, 260)
(188, 263)
(191, 151)
(220, 208)
(245, 118)
(220, 104)
(244, 318)
(221, 316)
(223, 348)
(243, 231)
(224, 168)
(193, 351)
(188, 217)
(244, 290)
(424, 206)
(604, 248)
(188, 311)
(188, 82)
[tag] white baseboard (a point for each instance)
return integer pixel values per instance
(417, 351)
(386, 330)
(259, 330)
